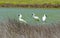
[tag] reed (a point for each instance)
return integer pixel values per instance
(15, 29)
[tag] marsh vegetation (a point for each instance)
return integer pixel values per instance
(15, 29)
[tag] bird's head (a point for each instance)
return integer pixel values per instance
(45, 15)
(20, 15)
(33, 14)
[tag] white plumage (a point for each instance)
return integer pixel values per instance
(44, 18)
(20, 18)
(35, 17)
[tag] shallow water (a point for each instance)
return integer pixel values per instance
(53, 15)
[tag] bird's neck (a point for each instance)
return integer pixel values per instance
(20, 17)
(44, 15)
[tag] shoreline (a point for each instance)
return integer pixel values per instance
(31, 5)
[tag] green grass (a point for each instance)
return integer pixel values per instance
(30, 1)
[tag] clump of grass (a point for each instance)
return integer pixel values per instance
(15, 29)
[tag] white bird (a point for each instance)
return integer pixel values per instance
(20, 18)
(44, 18)
(35, 17)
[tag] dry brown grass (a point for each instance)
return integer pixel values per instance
(15, 29)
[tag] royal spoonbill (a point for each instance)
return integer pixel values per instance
(35, 17)
(44, 18)
(20, 18)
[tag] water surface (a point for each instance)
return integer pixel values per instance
(53, 15)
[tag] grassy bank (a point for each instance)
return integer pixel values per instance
(15, 29)
(30, 1)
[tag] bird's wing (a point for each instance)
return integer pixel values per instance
(23, 20)
(37, 17)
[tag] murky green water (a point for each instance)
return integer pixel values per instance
(53, 15)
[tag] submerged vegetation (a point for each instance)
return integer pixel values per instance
(15, 29)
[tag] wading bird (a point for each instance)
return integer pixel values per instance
(35, 17)
(44, 18)
(20, 18)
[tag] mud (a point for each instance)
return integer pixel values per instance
(31, 5)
